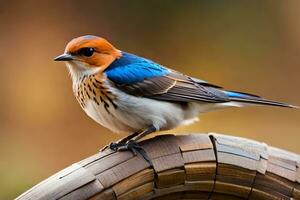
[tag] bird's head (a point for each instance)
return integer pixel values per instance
(87, 55)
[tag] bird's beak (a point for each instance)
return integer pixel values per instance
(64, 57)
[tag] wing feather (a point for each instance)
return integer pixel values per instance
(142, 77)
(174, 87)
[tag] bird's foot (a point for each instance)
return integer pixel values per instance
(135, 148)
(114, 146)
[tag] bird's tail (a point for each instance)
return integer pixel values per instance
(245, 98)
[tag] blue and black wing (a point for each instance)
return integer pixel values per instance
(174, 87)
(141, 77)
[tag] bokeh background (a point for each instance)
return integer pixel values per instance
(251, 46)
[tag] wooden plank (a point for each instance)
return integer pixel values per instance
(296, 191)
(134, 181)
(170, 178)
(232, 189)
(138, 192)
(194, 142)
(283, 158)
(168, 162)
(60, 184)
(69, 183)
(271, 183)
(34, 191)
(241, 146)
(234, 180)
(200, 171)
(84, 192)
(241, 152)
(282, 172)
(235, 175)
(121, 171)
(178, 189)
(158, 192)
(107, 162)
(203, 155)
(203, 186)
(161, 146)
(236, 160)
(235, 171)
(257, 194)
(107, 194)
(283, 163)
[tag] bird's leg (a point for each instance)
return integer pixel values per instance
(115, 145)
(133, 146)
(142, 134)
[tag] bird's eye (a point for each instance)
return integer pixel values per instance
(86, 52)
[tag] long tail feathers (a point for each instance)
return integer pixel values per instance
(253, 99)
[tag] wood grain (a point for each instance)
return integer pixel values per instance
(196, 166)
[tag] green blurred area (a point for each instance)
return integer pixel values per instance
(251, 46)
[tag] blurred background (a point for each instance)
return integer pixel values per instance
(252, 46)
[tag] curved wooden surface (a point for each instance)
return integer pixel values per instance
(197, 166)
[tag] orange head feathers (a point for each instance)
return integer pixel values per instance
(93, 51)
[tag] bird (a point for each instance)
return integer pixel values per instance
(127, 93)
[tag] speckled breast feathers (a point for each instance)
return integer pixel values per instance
(95, 88)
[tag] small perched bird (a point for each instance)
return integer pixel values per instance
(128, 93)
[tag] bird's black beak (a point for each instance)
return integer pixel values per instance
(64, 57)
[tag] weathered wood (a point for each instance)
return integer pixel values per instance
(198, 166)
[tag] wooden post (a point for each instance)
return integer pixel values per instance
(198, 166)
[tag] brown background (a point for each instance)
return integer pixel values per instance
(251, 46)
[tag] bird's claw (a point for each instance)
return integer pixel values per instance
(114, 146)
(130, 145)
(135, 148)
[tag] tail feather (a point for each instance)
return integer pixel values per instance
(254, 99)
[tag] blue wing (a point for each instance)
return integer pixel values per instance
(130, 69)
(142, 77)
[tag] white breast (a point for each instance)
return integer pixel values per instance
(105, 118)
(138, 113)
